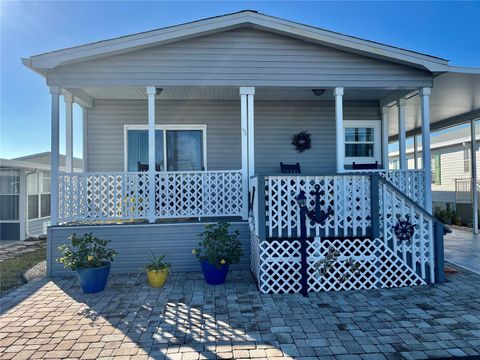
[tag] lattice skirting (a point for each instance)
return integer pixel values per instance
(358, 264)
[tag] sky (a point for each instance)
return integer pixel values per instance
(445, 29)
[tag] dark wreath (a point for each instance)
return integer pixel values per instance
(302, 141)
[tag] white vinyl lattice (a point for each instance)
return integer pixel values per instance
(125, 195)
(348, 196)
(89, 196)
(416, 253)
(205, 193)
(377, 266)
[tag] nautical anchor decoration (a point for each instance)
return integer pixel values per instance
(404, 229)
(318, 215)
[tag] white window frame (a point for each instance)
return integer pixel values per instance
(165, 128)
(40, 191)
(377, 143)
(18, 194)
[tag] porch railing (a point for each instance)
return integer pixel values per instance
(411, 182)
(124, 195)
(463, 190)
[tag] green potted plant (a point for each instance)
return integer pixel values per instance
(218, 250)
(157, 271)
(90, 258)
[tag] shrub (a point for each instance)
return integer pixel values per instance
(85, 252)
(219, 247)
(157, 263)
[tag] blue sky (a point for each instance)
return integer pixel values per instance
(445, 29)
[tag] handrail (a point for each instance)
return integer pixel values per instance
(411, 202)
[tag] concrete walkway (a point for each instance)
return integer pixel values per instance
(188, 319)
(463, 249)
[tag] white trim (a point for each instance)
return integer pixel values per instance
(376, 125)
(22, 204)
(201, 127)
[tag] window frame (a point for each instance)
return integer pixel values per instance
(165, 128)
(18, 175)
(466, 159)
(377, 142)
(41, 175)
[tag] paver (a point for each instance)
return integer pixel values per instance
(190, 320)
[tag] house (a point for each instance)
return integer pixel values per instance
(187, 125)
(451, 168)
(25, 195)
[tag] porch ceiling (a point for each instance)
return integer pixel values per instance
(230, 93)
(455, 99)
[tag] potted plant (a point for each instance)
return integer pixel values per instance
(218, 250)
(157, 271)
(90, 258)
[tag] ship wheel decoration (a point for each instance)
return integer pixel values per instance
(404, 229)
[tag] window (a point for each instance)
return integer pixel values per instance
(395, 164)
(32, 207)
(9, 194)
(436, 170)
(362, 141)
(44, 205)
(177, 148)
(466, 159)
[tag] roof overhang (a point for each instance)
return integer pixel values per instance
(41, 63)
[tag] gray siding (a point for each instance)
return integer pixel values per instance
(38, 227)
(275, 124)
(239, 57)
(134, 243)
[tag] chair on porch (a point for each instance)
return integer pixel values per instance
(364, 166)
(290, 168)
(142, 167)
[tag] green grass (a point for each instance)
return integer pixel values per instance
(11, 270)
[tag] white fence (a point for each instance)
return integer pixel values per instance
(125, 195)
(347, 195)
(410, 182)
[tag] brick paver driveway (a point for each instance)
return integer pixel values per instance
(189, 320)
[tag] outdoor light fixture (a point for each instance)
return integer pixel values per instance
(158, 91)
(302, 199)
(318, 92)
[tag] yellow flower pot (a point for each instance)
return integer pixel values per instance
(157, 278)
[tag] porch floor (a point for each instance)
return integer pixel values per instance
(190, 320)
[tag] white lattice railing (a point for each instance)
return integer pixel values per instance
(102, 196)
(347, 195)
(410, 182)
(418, 253)
(125, 195)
(198, 193)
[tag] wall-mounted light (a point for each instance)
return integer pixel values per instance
(318, 92)
(158, 91)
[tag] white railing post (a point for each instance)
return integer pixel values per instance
(248, 160)
(55, 140)
(68, 132)
(415, 152)
(385, 137)
(402, 147)
(340, 137)
(473, 168)
(151, 92)
(426, 161)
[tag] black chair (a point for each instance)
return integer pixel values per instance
(290, 168)
(142, 167)
(364, 166)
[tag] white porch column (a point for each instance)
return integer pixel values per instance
(402, 146)
(473, 169)
(151, 92)
(340, 138)
(68, 133)
(426, 161)
(248, 146)
(55, 91)
(84, 138)
(415, 152)
(385, 137)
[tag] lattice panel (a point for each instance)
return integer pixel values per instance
(378, 266)
(347, 195)
(418, 252)
(410, 182)
(87, 196)
(201, 193)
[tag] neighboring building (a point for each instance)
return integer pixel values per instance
(25, 195)
(187, 125)
(451, 168)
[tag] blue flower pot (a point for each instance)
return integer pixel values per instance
(93, 280)
(214, 275)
